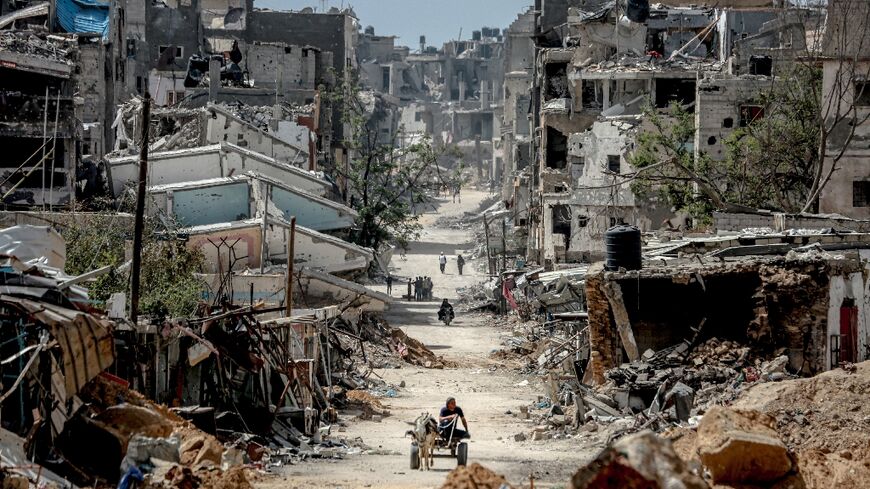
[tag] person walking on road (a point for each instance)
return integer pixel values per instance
(410, 285)
(429, 286)
(389, 284)
(418, 289)
(460, 262)
(442, 261)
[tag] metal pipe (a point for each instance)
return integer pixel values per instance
(44, 143)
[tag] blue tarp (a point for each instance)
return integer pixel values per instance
(80, 16)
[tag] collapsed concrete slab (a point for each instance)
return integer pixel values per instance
(248, 196)
(206, 162)
(247, 244)
(312, 288)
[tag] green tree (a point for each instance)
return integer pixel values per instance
(387, 179)
(770, 161)
(169, 283)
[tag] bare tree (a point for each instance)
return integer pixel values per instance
(845, 57)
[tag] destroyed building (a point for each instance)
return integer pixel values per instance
(596, 70)
(846, 103)
(39, 80)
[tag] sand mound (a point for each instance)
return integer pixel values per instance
(475, 476)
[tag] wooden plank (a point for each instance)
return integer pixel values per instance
(620, 314)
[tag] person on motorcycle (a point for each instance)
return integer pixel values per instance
(447, 421)
(446, 309)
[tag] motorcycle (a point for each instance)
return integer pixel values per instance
(446, 316)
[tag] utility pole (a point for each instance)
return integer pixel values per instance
(291, 253)
(486, 235)
(44, 144)
(139, 224)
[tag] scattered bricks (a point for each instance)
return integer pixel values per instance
(741, 447)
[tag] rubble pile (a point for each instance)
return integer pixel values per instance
(672, 387)
(27, 43)
(258, 117)
(809, 433)
(176, 129)
(387, 347)
(478, 297)
(475, 476)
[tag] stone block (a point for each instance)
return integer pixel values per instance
(643, 460)
(741, 447)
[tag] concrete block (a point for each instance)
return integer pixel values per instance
(741, 447)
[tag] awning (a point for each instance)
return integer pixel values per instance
(84, 16)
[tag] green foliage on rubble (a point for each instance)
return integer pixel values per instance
(769, 163)
(168, 283)
(387, 182)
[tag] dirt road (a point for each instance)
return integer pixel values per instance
(484, 389)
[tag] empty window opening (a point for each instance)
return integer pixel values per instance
(760, 65)
(582, 221)
(557, 149)
(175, 51)
(385, 77)
(862, 94)
(562, 222)
(750, 114)
(577, 165)
(711, 140)
(861, 194)
(676, 90)
(613, 163)
(589, 95)
(556, 85)
(728, 122)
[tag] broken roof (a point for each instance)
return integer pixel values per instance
(120, 177)
(278, 221)
(37, 53)
(249, 176)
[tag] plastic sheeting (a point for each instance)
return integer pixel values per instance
(34, 243)
(84, 16)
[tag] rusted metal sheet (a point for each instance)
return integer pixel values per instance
(85, 341)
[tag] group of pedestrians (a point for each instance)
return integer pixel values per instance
(442, 262)
(422, 288)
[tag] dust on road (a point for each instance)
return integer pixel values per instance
(484, 388)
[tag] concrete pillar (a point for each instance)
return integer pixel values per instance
(484, 95)
(214, 79)
(277, 115)
(461, 87)
(605, 90)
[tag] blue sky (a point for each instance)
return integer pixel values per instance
(438, 20)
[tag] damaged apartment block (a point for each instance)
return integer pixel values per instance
(596, 71)
(38, 125)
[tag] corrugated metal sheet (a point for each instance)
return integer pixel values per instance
(80, 16)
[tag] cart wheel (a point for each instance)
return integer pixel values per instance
(462, 454)
(415, 456)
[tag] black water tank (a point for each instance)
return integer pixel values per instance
(623, 248)
(637, 10)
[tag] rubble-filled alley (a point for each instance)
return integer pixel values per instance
(491, 244)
